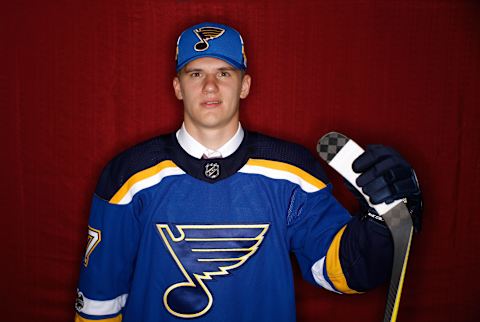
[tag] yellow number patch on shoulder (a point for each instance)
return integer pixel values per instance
(202, 252)
(93, 239)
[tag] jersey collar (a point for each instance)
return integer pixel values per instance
(196, 149)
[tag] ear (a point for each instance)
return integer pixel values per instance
(177, 88)
(246, 81)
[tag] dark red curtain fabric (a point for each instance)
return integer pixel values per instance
(82, 80)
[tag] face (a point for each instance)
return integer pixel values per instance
(211, 90)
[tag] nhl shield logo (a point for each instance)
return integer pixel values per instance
(205, 34)
(212, 170)
(79, 302)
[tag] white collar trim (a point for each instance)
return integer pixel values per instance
(197, 150)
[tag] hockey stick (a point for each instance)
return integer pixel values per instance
(340, 152)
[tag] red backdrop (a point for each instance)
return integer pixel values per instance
(82, 80)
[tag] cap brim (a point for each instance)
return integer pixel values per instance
(225, 59)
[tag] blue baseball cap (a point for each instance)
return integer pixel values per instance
(211, 39)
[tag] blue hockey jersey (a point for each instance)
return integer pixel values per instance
(172, 237)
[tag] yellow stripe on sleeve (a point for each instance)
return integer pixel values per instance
(118, 318)
(282, 166)
(334, 267)
(139, 176)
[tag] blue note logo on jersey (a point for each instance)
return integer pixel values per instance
(202, 252)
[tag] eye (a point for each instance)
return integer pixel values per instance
(195, 74)
(224, 74)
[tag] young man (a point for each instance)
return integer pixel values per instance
(201, 223)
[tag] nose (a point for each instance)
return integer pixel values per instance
(210, 84)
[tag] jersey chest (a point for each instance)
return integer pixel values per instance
(242, 198)
(208, 246)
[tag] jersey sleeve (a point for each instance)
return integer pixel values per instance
(114, 232)
(112, 240)
(107, 266)
(314, 219)
(341, 253)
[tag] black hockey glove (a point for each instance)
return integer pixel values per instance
(386, 177)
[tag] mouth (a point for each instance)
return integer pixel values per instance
(211, 103)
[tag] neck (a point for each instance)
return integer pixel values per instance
(212, 138)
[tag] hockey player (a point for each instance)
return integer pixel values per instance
(199, 224)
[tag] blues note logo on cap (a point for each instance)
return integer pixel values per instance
(205, 34)
(210, 39)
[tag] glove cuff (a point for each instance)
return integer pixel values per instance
(372, 216)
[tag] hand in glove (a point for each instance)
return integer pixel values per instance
(385, 177)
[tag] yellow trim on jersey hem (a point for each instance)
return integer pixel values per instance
(139, 176)
(334, 267)
(78, 318)
(282, 166)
